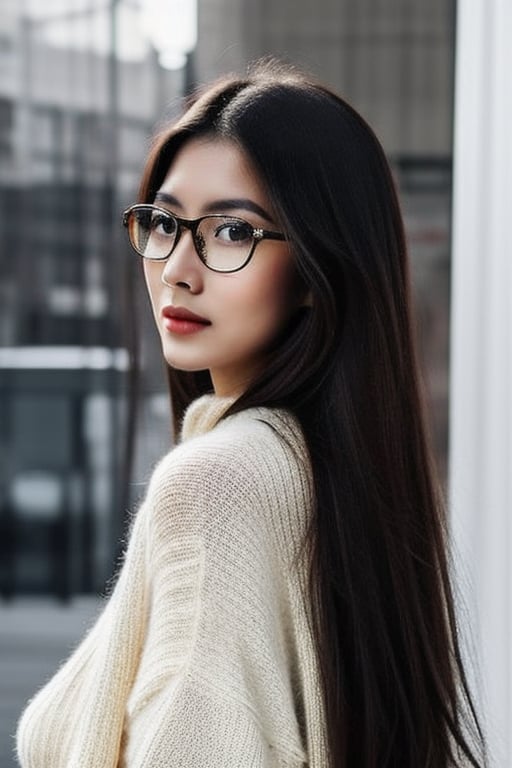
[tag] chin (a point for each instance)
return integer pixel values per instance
(182, 365)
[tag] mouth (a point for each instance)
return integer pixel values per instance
(182, 321)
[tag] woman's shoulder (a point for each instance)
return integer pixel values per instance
(254, 435)
(248, 450)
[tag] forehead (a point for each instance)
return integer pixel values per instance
(207, 169)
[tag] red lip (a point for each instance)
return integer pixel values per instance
(182, 321)
(180, 313)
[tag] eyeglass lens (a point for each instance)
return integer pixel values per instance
(222, 242)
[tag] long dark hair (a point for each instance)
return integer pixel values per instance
(394, 686)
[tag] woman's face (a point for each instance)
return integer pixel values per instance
(241, 313)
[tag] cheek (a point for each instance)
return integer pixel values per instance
(152, 276)
(281, 287)
(270, 296)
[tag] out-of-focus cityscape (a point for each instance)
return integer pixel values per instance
(83, 85)
(82, 89)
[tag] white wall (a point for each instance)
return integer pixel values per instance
(481, 391)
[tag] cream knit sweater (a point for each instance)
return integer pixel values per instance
(203, 655)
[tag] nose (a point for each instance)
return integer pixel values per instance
(183, 267)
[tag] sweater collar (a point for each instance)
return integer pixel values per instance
(203, 414)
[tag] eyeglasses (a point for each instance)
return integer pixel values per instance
(223, 243)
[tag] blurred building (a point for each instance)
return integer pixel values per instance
(75, 124)
(74, 127)
(393, 60)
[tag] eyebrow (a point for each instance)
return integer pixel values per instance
(219, 206)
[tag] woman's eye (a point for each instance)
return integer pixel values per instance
(163, 225)
(234, 232)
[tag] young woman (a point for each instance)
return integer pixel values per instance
(285, 598)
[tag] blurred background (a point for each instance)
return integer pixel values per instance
(83, 85)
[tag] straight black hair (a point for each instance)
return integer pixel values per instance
(394, 686)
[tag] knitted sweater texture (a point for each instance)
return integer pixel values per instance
(203, 656)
